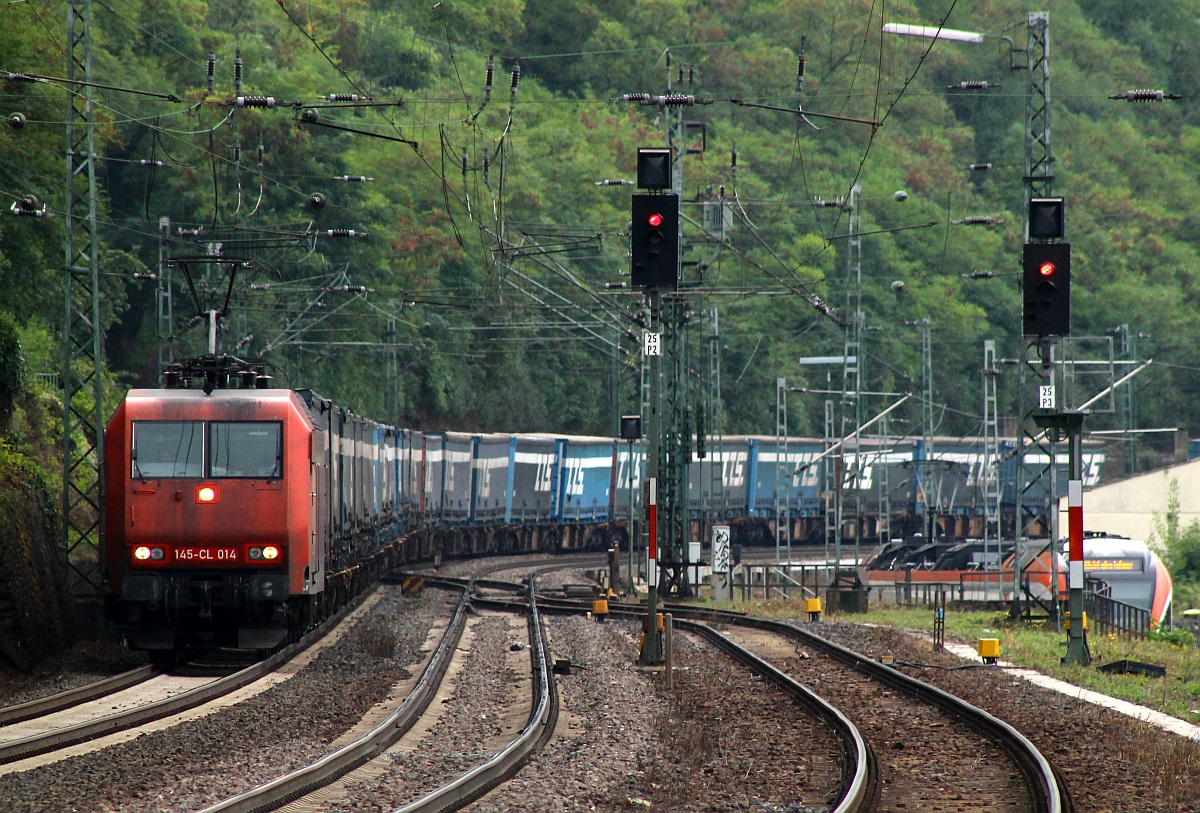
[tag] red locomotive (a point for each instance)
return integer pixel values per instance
(234, 515)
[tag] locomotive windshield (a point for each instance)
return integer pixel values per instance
(168, 449)
(163, 449)
(245, 449)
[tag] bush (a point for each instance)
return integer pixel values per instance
(35, 579)
(1180, 543)
(12, 370)
(376, 637)
(1176, 637)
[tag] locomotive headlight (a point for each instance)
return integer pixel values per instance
(141, 553)
(259, 553)
(147, 553)
(206, 494)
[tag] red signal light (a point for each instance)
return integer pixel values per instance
(655, 220)
(1046, 269)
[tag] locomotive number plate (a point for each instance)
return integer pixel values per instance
(205, 554)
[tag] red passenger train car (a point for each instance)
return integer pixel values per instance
(235, 515)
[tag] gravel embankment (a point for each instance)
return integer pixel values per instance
(196, 763)
(721, 741)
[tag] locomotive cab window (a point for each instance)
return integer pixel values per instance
(167, 449)
(249, 449)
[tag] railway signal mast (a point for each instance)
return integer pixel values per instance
(654, 253)
(1046, 294)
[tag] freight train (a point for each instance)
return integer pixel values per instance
(238, 513)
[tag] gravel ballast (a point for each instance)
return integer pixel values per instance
(719, 741)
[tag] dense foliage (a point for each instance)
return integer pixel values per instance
(35, 574)
(481, 297)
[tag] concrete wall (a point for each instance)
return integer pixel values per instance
(1128, 507)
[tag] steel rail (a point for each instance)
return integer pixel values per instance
(20, 712)
(1048, 794)
(121, 721)
(1048, 790)
(475, 783)
(296, 784)
(860, 769)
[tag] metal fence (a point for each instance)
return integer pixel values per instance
(1107, 615)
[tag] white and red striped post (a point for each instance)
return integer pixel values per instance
(651, 654)
(651, 649)
(652, 526)
(1075, 534)
(1077, 647)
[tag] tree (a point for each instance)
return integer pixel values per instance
(1181, 544)
(12, 370)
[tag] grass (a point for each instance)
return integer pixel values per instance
(376, 637)
(1037, 647)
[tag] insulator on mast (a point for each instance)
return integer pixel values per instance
(1145, 96)
(261, 153)
(978, 167)
(256, 101)
(237, 72)
(512, 89)
(212, 68)
(353, 178)
(28, 206)
(634, 97)
(237, 152)
(343, 97)
(800, 63)
(976, 84)
(491, 74)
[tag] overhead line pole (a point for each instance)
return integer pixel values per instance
(852, 379)
(83, 366)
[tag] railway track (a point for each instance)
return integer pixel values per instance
(140, 697)
(370, 754)
(936, 752)
(29, 710)
(439, 770)
(860, 782)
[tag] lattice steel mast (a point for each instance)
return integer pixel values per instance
(83, 386)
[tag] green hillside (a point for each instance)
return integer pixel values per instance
(481, 297)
